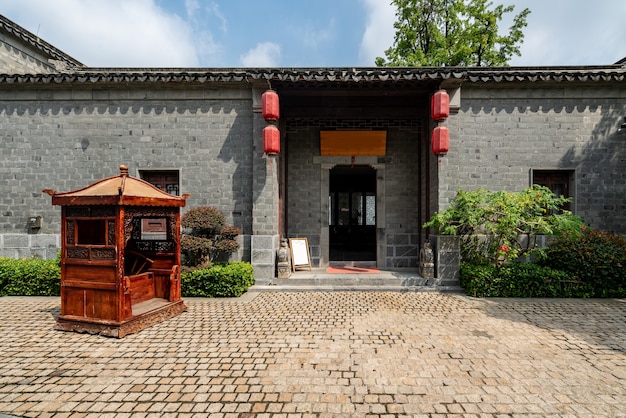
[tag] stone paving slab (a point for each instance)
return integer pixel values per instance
(324, 354)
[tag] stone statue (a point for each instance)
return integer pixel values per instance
(283, 260)
(427, 261)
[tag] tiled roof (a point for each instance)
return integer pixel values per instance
(33, 40)
(614, 73)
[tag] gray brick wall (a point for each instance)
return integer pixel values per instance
(19, 59)
(304, 187)
(500, 135)
(67, 139)
(402, 197)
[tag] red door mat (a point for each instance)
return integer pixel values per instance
(351, 270)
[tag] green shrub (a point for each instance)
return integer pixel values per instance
(479, 279)
(520, 279)
(595, 258)
(220, 280)
(204, 220)
(29, 277)
(206, 238)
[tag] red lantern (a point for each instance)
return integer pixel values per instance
(270, 107)
(440, 143)
(440, 105)
(271, 140)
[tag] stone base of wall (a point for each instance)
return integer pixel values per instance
(44, 246)
(402, 250)
(447, 251)
(263, 256)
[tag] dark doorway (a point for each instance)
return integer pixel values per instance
(352, 214)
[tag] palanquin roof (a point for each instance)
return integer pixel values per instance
(120, 190)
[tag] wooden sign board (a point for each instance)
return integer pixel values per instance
(348, 143)
(300, 256)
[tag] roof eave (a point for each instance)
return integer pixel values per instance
(72, 200)
(321, 75)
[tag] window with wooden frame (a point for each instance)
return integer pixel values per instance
(559, 181)
(166, 180)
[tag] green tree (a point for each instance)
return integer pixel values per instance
(452, 33)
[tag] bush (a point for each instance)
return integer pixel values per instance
(30, 277)
(520, 279)
(203, 220)
(220, 280)
(595, 258)
(206, 238)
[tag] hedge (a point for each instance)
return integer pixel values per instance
(596, 258)
(221, 280)
(521, 279)
(36, 277)
(29, 277)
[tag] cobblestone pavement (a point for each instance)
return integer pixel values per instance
(317, 354)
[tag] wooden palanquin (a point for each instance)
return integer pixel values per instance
(120, 258)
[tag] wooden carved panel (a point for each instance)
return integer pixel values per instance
(103, 253)
(111, 233)
(89, 211)
(78, 252)
(69, 239)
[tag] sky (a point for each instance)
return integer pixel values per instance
(292, 33)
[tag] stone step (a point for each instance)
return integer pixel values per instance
(382, 280)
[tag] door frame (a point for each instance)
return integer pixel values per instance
(327, 164)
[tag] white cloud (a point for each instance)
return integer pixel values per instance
(129, 33)
(379, 31)
(313, 38)
(210, 33)
(265, 54)
(201, 18)
(565, 32)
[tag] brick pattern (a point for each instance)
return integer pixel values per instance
(402, 198)
(316, 354)
(17, 60)
(44, 246)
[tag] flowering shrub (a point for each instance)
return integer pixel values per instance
(593, 257)
(497, 227)
(205, 237)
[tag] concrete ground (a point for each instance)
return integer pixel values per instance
(324, 354)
